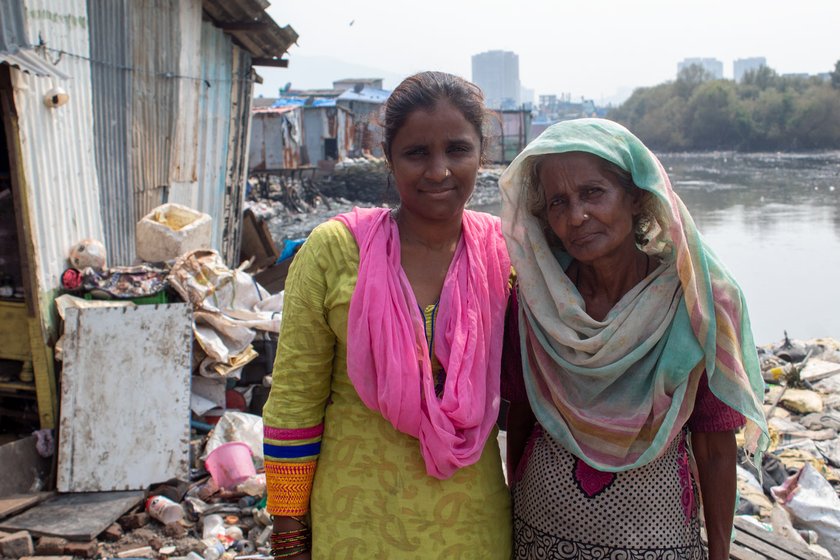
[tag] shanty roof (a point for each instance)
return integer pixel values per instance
(253, 28)
(28, 60)
(367, 94)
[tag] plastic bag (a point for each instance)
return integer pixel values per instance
(813, 504)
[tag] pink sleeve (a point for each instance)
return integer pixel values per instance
(513, 384)
(712, 415)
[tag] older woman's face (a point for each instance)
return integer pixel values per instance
(586, 207)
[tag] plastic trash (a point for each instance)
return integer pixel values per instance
(164, 510)
(812, 502)
(214, 551)
(230, 464)
(234, 533)
(213, 526)
(254, 486)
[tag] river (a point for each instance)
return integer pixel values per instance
(774, 220)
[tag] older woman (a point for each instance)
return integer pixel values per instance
(637, 356)
(380, 427)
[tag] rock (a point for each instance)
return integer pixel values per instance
(146, 535)
(46, 558)
(174, 530)
(50, 546)
(802, 401)
(113, 533)
(82, 549)
(134, 521)
(16, 545)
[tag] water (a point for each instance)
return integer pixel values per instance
(774, 220)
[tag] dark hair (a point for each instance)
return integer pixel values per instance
(536, 204)
(424, 91)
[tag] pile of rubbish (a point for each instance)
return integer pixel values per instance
(796, 494)
(217, 509)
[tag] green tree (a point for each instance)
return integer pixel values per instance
(835, 76)
(689, 78)
(815, 123)
(711, 117)
(763, 77)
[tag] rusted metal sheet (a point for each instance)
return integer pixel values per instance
(345, 133)
(242, 91)
(247, 21)
(125, 396)
(155, 47)
(509, 134)
(277, 138)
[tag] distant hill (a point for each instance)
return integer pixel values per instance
(317, 72)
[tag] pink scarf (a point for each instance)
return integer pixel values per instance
(387, 353)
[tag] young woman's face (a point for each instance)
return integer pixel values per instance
(435, 158)
(591, 213)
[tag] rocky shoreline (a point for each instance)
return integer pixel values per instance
(293, 209)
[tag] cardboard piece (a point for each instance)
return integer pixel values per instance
(10, 505)
(257, 243)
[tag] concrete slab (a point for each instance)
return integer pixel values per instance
(77, 517)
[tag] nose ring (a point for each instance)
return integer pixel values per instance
(447, 173)
(586, 216)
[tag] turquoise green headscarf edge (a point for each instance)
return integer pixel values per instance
(614, 143)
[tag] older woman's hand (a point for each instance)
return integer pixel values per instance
(715, 453)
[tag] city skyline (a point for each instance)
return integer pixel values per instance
(601, 54)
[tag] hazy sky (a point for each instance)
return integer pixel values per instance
(597, 48)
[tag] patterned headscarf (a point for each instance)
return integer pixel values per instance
(616, 392)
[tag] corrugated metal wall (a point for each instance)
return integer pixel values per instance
(314, 123)
(58, 156)
(141, 120)
(278, 137)
(183, 176)
(12, 25)
(214, 125)
(111, 80)
(154, 105)
(242, 91)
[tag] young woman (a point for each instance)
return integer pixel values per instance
(379, 431)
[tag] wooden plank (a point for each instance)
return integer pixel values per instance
(77, 517)
(10, 505)
(739, 552)
(762, 547)
(792, 548)
(43, 362)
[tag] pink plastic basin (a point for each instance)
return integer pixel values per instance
(230, 463)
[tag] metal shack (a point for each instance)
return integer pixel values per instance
(110, 108)
(364, 103)
(509, 134)
(296, 132)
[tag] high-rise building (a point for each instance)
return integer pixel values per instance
(743, 65)
(497, 74)
(711, 65)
